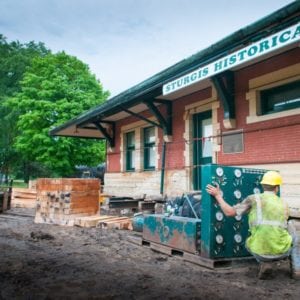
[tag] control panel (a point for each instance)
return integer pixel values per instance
(223, 236)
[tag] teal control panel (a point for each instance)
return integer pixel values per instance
(222, 236)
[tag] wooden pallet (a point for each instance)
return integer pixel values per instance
(224, 263)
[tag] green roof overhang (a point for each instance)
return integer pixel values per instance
(136, 97)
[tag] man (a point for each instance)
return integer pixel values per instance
(269, 238)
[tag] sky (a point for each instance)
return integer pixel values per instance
(126, 41)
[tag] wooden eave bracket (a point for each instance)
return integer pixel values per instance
(141, 117)
(224, 84)
(103, 130)
(164, 122)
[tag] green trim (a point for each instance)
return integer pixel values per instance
(281, 98)
(130, 147)
(198, 160)
(147, 150)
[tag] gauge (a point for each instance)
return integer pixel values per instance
(238, 217)
(237, 194)
(238, 238)
(219, 216)
(219, 171)
(237, 173)
(219, 239)
(256, 190)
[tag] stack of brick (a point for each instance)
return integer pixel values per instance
(61, 201)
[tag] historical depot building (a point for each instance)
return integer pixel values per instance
(236, 103)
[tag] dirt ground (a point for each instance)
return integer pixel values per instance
(39, 261)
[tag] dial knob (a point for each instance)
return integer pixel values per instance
(238, 238)
(219, 216)
(237, 194)
(238, 217)
(256, 190)
(219, 239)
(237, 173)
(219, 171)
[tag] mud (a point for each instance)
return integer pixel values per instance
(39, 261)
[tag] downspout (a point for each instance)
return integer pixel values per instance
(163, 165)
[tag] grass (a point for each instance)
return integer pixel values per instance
(16, 184)
(20, 184)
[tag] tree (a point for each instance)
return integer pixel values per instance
(54, 89)
(14, 59)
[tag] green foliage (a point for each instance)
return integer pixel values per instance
(54, 89)
(14, 59)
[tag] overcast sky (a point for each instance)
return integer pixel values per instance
(126, 41)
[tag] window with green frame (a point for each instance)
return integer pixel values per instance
(149, 148)
(280, 98)
(130, 151)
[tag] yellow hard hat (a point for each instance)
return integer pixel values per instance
(271, 178)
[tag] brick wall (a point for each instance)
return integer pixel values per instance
(267, 143)
(272, 141)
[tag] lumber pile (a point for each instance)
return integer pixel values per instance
(116, 223)
(24, 198)
(61, 201)
(108, 222)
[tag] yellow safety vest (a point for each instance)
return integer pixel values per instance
(268, 226)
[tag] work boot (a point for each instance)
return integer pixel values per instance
(265, 270)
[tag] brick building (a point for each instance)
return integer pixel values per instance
(236, 102)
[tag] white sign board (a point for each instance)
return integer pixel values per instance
(264, 46)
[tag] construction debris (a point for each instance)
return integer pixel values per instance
(61, 201)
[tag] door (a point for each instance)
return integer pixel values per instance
(202, 145)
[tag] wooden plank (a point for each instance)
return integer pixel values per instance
(23, 196)
(161, 248)
(63, 200)
(113, 219)
(119, 225)
(135, 240)
(91, 210)
(116, 223)
(23, 203)
(89, 221)
(103, 221)
(23, 190)
(82, 204)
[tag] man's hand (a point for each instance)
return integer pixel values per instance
(217, 193)
(214, 190)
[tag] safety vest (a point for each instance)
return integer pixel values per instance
(268, 226)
